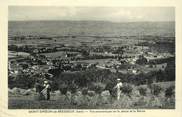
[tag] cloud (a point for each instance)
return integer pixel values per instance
(115, 14)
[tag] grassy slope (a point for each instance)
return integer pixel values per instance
(59, 102)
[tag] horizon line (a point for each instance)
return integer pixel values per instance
(88, 20)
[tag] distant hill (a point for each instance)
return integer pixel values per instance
(85, 28)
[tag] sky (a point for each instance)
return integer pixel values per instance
(113, 14)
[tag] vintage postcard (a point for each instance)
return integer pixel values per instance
(63, 58)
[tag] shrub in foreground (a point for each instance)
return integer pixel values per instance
(63, 88)
(155, 102)
(98, 87)
(169, 103)
(127, 89)
(155, 89)
(170, 91)
(84, 91)
(110, 88)
(73, 88)
(124, 102)
(143, 101)
(143, 91)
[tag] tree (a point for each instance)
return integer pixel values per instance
(85, 53)
(142, 60)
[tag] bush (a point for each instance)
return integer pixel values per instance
(143, 101)
(105, 97)
(170, 91)
(73, 88)
(127, 89)
(124, 102)
(143, 91)
(155, 89)
(135, 93)
(77, 98)
(110, 86)
(24, 81)
(68, 97)
(169, 103)
(155, 102)
(93, 100)
(91, 93)
(113, 92)
(84, 91)
(63, 88)
(97, 87)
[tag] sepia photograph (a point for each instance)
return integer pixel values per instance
(70, 57)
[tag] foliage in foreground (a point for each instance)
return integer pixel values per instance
(134, 97)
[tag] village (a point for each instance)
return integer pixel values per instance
(83, 71)
(52, 59)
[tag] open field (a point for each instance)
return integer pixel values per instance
(55, 54)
